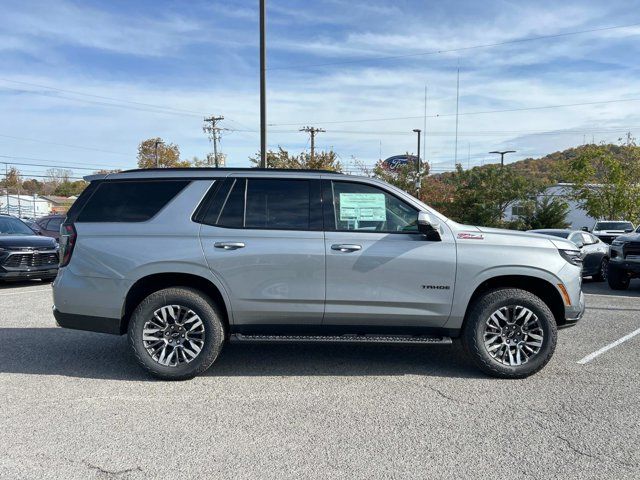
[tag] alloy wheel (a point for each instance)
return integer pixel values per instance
(513, 335)
(174, 335)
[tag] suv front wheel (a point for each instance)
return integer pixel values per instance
(176, 333)
(510, 333)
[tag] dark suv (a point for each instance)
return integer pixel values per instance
(23, 254)
(50, 226)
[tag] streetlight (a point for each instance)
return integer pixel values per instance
(155, 144)
(502, 154)
(417, 130)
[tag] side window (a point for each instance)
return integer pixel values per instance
(232, 214)
(586, 238)
(278, 204)
(129, 201)
(361, 207)
(54, 224)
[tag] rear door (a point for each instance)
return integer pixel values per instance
(381, 273)
(263, 238)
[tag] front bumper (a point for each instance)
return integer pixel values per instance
(573, 314)
(6, 274)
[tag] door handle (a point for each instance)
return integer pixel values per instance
(346, 247)
(229, 245)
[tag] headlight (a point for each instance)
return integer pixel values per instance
(574, 257)
(618, 242)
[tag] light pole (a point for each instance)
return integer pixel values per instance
(263, 88)
(155, 145)
(502, 154)
(417, 130)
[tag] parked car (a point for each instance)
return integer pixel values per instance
(23, 254)
(595, 253)
(608, 230)
(50, 225)
(184, 259)
(625, 260)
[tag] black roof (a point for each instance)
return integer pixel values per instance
(229, 169)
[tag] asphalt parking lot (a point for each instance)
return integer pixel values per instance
(75, 405)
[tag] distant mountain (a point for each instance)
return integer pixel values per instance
(546, 168)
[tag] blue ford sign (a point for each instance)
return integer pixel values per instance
(392, 163)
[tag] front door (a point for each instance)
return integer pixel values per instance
(262, 237)
(381, 272)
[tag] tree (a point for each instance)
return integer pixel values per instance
(12, 180)
(283, 159)
(168, 154)
(606, 183)
(548, 212)
(483, 194)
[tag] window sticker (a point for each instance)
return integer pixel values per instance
(363, 207)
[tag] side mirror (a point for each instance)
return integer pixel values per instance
(628, 230)
(429, 227)
(584, 229)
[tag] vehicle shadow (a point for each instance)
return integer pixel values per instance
(602, 288)
(55, 351)
(13, 284)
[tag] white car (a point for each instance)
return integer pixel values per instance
(609, 230)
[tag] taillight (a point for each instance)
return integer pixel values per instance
(68, 237)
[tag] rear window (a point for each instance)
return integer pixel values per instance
(129, 201)
(613, 226)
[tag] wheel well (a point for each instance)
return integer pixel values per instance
(152, 283)
(546, 291)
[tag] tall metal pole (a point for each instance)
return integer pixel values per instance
(156, 143)
(457, 104)
(502, 154)
(424, 127)
(6, 184)
(263, 89)
(417, 130)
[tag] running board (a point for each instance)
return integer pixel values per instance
(397, 339)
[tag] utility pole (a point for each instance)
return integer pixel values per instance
(214, 134)
(6, 184)
(417, 130)
(502, 154)
(455, 161)
(155, 145)
(263, 86)
(312, 131)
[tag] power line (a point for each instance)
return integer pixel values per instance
(57, 163)
(563, 105)
(48, 166)
(36, 140)
(459, 49)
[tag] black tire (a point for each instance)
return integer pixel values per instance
(474, 329)
(603, 271)
(617, 278)
(194, 300)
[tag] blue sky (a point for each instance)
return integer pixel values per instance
(83, 82)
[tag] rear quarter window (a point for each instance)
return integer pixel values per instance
(129, 201)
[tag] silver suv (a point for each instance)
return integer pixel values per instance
(183, 260)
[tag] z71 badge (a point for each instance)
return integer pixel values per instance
(470, 236)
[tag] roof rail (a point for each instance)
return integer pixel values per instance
(229, 169)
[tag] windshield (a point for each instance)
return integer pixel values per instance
(613, 226)
(13, 226)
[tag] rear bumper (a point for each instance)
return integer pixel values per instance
(112, 326)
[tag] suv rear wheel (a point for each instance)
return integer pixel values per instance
(176, 333)
(510, 333)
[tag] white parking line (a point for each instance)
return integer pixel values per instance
(25, 291)
(629, 297)
(593, 355)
